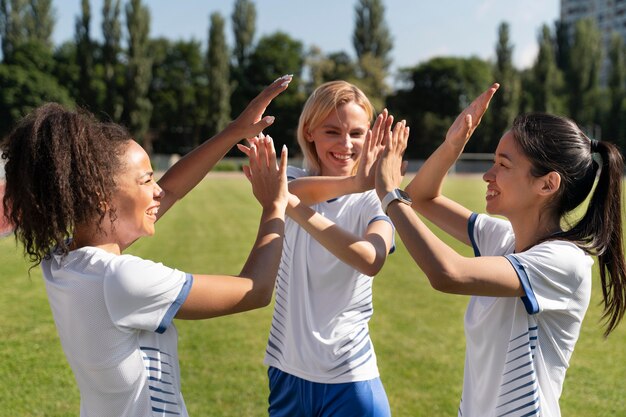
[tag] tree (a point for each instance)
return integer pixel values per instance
(243, 22)
(111, 48)
(323, 68)
(218, 77)
(617, 77)
(547, 80)
(137, 106)
(436, 92)
(12, 28)
(39, 21)
(276, 55)
(372, 42)
(84, 57)
(27, 83)
(371, 34)
(178, 91)
(244, 26)
(506, 101)
(583, 75)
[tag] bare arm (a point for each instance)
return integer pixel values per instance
(425, 187)
(183, 176)
(367, 253)
(446, 270)
(218, 295)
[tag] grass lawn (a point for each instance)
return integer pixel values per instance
(417, 332)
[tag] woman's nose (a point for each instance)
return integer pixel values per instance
(158, 192)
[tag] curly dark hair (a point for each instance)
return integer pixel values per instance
(60, 169)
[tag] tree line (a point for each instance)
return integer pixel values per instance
(173, 94)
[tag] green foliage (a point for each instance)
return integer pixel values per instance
(583, 73)
(12, 27)
(39, 21)
(111, 48)
(218, 101)
(278, 54)
(545, 87)
(243, 21)
(178, 91)
(371, 34)
(437, 92)
(372, 42)
(137, 105)
(616, 121)
(505, 104)
(417, 332)
(23, 89)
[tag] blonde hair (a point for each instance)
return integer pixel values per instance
(326, 98)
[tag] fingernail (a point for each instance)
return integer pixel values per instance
(269, 119)
(284, 149)
(285, 84)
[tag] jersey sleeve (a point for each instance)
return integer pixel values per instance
(295, 172)
(141, 294)
(490, 236)
(551, 273)
(373, 211)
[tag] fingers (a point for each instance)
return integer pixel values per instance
(270, 92)
(283, 161)
(243, 149)
(377, 129)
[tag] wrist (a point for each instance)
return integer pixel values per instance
(395, 196)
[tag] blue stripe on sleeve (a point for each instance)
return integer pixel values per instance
(393, 231)
(470, 231)
(178, 302)
(530, 301)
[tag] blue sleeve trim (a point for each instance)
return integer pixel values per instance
(393, 231)
(470, 231)
(530, 301)
(178, 302)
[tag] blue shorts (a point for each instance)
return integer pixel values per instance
(291, 396)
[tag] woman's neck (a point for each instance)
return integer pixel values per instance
(532, 229)
(86, 236)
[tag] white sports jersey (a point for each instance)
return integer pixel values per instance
(518, 349)
(114, 318)
(322, 305)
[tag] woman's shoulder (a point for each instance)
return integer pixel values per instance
(560, 257)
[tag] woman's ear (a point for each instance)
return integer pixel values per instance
(550, 183)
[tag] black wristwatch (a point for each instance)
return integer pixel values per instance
(394, 195)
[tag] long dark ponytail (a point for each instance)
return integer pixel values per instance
(554, 143)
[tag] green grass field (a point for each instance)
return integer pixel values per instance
(417, 332)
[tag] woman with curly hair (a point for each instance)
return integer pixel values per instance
(79, 192)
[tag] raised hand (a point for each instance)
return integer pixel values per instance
(464, 125)
(390, 168)
(268, 179)
(372, 149)
(251, 121)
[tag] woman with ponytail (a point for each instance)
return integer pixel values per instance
(530, 280)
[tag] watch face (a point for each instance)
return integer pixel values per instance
(403, 194)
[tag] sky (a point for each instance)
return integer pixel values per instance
(421, 29)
